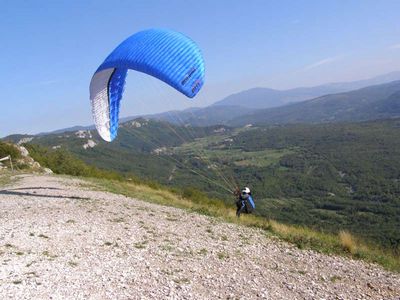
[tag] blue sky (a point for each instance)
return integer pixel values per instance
(50, 49)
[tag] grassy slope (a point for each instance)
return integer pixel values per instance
(340, 244)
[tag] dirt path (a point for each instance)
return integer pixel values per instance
(59, 240)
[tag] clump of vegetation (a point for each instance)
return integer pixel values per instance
(223, 255)
(118, 220)
(9, 149)
(49, 255)
(209, 230)
(73, 263)
(335, 278)
(203, 251)
(347, 241)
(5, 178)
(167, 247)
(18, 163)
(140, 245)
(61, 161)
(181, 280)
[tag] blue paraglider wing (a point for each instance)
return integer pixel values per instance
(167, 55)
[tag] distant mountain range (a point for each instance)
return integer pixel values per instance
(260, 105)
(259, 98)
(74, 128)
(208, 116)
(333, 102)
(370, 103)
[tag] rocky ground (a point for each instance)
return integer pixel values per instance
(61, 240)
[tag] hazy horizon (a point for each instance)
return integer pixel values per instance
(193, 106)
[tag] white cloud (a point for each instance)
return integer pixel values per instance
(320, 63)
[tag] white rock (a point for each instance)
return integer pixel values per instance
(23, 150)
(89, 144)
(47, 171)
(136, 124)
(24, 140)
(83, 134)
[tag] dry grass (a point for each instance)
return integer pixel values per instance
(5, 177)
(348, 242)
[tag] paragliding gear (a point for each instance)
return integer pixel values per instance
(164, 54)
(250, 204)
(245, 204)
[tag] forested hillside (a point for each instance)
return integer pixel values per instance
(337, 176)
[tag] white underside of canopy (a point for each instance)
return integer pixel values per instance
(100, 102)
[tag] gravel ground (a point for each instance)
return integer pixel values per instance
(59, 240)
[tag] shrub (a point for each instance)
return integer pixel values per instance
(347, 241)
(60, 161)
(9, 149)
